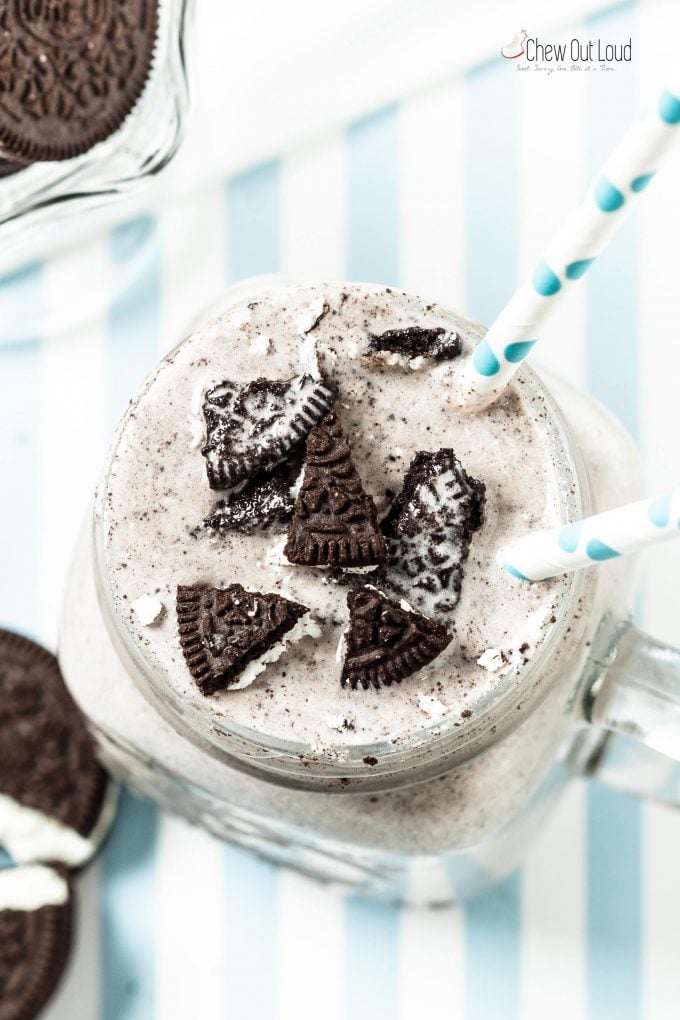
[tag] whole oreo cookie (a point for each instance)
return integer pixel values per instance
(56, 801)
(70, 72)
(36, 920)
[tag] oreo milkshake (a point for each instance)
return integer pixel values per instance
(296, 564)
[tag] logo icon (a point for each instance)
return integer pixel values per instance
(515, 48)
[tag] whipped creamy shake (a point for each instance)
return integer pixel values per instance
(391, 405)
(425, 791)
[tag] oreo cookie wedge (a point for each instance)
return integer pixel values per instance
(413, 346)
(429, 529)
(254, 427)
(261, 504)
(70, 72)
(56, 801)
(230, 635)
(335, 522)
(386, 641)
(36, 921)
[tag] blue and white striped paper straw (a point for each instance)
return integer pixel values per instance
(595, 539)
(621, 181)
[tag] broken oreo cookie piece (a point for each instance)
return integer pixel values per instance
(335, 522)
(429, 529)
(229, 635)
(254, 427)
(407, 346)
(386, 641)
(263, 502)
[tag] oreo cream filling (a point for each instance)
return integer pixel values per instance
(305, 627)
(32, 888)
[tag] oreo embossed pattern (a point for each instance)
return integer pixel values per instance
(70, 73)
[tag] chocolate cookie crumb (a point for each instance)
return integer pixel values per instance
(437, 343)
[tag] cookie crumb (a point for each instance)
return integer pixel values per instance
(432, 707)
(148, 610)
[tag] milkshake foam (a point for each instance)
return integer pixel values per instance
(156, 495)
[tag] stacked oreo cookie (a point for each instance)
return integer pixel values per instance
(279, 449)
(70, 73)
(56, 806)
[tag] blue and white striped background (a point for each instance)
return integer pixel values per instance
(451, 194)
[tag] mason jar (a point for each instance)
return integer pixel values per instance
(452, 810)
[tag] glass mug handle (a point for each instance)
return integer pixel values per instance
(633, 696)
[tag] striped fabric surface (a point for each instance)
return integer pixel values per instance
(449, 194)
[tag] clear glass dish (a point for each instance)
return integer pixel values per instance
(46, 192)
